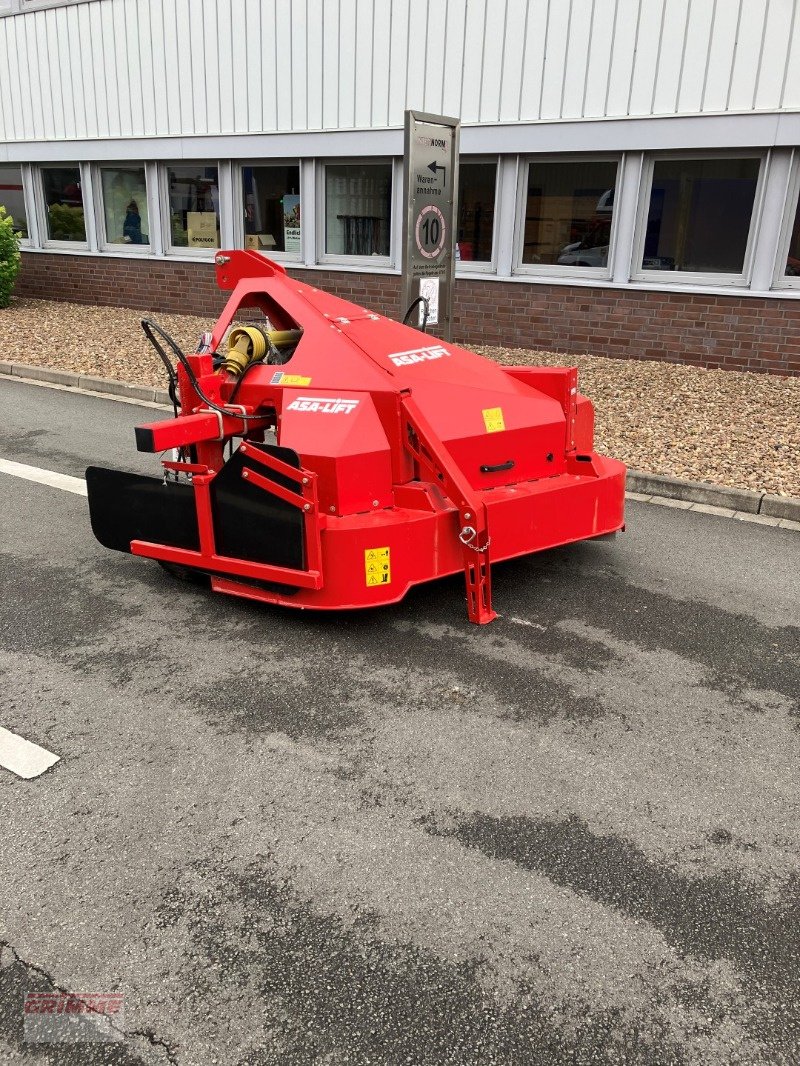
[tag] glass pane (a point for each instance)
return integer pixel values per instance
(476, 189)
(793, 259)
(271, 197)
(358, 208)
(194, 206)
(64, 199)
(125, 205)
(12, 199)
(568, 213)
(699, 217)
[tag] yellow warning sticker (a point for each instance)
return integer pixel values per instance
(291, 379)
(493, 419)
(376, 566)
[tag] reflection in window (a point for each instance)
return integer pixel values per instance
(125, 205)
(793, 258)
(12, 198)
(476, 191)
(194, 206)
(271, 197)
(64, 199)
(699, 216)
(358, 208)
(568, 213)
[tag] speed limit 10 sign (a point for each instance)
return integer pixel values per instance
(430, 186)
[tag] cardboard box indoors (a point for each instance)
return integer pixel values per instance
(201, 228)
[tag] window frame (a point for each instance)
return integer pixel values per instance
(238, 204)
(171, 250)
(552, 271)
(697, 278)
(474, 266)
(782, 280)
(24, 242)
(103, 243)
(362, 262)
(46, 241)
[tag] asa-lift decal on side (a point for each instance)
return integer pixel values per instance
(419, 355)
(323, 406)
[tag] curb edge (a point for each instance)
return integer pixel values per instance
(705, 494)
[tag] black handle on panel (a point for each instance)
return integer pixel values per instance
(498, 468)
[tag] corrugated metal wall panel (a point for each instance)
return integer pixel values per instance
(122, 68)
(623, 54)
(364, 64)
(695, 58)
(647, 59)
(674, 28)
(771, 72)
(577, 60)
(513, 58)
(722, 53)
(598, 70)
(492, 67)
(555, 60)
(416, 48)
(382, 30)
(790, 96)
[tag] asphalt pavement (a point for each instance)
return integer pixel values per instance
(567, 837)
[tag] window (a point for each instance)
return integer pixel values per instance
(125, 214)
(13, 199)
(699, 215)
(271, 203)
(358, 201)
(477, 186)
(569, 211)
(193, 198)
(792, 267)
(63, 198)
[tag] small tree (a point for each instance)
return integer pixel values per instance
(9, 256)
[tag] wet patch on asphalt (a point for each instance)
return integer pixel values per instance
(712, 918)
(755, 655)
(320, 706)
(332, 990)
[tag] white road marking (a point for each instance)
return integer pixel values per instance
(525, 622)
(22, 757)
(44, 477)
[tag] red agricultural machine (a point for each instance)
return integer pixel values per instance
(371, 457)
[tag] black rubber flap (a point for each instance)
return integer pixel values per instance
(249, 522)
(125, 507)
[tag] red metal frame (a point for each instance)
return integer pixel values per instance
(208, 559)
(439, 459)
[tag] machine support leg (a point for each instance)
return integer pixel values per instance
(429, 451)
(478, 575)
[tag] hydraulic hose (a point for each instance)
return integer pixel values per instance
(150, 327)
(426, 312)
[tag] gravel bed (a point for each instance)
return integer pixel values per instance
(721, 426)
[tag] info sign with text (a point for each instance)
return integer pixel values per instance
(430, 192)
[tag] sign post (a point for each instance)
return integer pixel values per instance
(430, 191)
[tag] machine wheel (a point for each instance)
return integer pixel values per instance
(185, 573)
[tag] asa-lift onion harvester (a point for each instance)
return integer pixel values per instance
(326, 457)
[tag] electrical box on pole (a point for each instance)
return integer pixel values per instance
(430, 193)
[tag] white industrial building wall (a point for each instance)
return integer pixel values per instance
(146, 68)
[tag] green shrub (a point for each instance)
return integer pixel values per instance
(66, 223)
(9, 256)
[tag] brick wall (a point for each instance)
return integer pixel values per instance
(734, 332)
